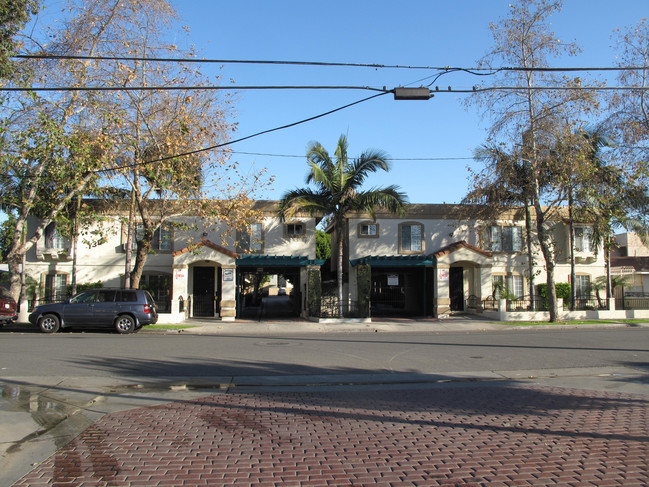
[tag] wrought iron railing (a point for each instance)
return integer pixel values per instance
(633, 301)
(590, 303)
(329, 308)
(527, 303)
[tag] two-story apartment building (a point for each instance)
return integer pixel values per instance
(436, 259)
(196, 267)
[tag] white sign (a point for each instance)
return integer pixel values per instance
(443, 274)
(393, 279)
(228, 275)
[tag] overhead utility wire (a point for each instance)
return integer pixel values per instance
(319, 63)
(383, 90)
(217, 146)
(389, 158)
(171, 88)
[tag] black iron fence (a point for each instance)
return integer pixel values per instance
(632, 300)
(592, 303)
(329, 308)
(527, 303)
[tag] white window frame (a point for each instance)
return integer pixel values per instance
(368, 230)
(505, 238)
(415, 238)
(582, 286)
(56, 286)
(251, 239)
(583, 239)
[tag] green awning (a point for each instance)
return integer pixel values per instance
(394, 260)
(277, 261)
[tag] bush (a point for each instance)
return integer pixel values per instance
(562, 289)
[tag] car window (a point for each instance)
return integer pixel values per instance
(84, 297)
(149, 298)
(4, 293)
(106, 296)
(128, 297)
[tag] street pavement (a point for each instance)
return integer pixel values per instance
(524, 427)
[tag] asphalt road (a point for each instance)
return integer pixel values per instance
(151, 355)
(53, 387)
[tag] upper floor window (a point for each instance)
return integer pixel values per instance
(368, 229)
(162, 237)
(584, 239)
(411, 237)
(250, 239)
(505, 239)
(294, 230)
(53, 239)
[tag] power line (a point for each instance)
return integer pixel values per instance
(322, 63)
(389, 158)
(384, 90)
(217, 146)
(188, 88)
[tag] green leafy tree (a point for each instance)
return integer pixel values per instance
(14, 14)
(503, 184)
(322, 245)
(531, 117)
(338, 192)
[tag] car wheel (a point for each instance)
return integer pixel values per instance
(49, 323)
(124, 324)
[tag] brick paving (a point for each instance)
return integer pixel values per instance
(455, 436)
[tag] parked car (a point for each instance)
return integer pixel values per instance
(8, 313)
(124, 309)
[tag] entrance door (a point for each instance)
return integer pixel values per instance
(456, 288)
(204, 299)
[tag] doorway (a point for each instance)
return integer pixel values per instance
(205, 295)
(456, 288)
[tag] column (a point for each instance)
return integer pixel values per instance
(228, 301)
(442, 301)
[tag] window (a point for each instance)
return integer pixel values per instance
(505, 239)
(510, 286)
(53, 239)
(251, 240)
(584, 239)
(294, 229)
(411, 235)
(582, 287)
(56, 287)
(368, 230)
(162, 237)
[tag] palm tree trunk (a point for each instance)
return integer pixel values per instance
(339, 272)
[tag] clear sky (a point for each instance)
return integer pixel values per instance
(425, 33)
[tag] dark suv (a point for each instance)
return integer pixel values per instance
(8, 313)
(124, 309)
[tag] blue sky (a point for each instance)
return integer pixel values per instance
(426, 33)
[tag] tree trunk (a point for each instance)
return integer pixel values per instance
(530, 254)
(549, 263)
(339, 271)
(571, 240)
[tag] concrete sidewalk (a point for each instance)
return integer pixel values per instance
(460, 323)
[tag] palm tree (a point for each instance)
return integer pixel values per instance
(338, 193)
